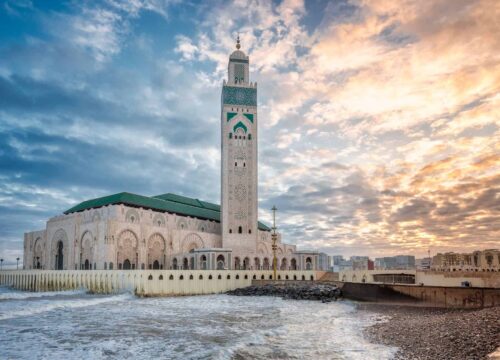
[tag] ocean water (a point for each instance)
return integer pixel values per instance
(76, 325)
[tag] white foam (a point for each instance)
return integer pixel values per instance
(21, 295)
(35, 308)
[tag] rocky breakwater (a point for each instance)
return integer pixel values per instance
(310, 291)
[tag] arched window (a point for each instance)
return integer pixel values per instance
(171, 277)
(249, 231)
(230, 231)
(150, 277)
(110, 266)
(105, 266)
(200, 277)
(240, 230)
(237, 277)
(181, 277)
(219, 277)
(191, 277)
(244, 164)
(235, 163)
(229, 277)
(160, 277)
(209, 277)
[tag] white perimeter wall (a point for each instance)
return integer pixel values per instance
(142, 282)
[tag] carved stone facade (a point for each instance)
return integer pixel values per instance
(123, 237)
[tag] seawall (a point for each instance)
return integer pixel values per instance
(143, 282)
(433, 296)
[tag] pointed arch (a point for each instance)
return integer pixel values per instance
(240, 125)
(156, 250)
(60, 250)
(191, 242)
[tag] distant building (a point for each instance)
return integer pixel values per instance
(399, 262)
(423, 264)
(324, 261)
(486, 260)
(337, 259)
(362, 263)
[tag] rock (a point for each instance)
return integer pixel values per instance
(311, 291)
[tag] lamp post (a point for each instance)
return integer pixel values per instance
(17, 266)
(274, 237)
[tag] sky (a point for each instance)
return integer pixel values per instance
(378, 120)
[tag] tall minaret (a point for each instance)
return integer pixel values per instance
(239, 157)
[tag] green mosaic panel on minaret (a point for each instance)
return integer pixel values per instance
(249, 117)
(233, 95)
(231, 115)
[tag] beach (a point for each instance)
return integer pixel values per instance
(435, 334)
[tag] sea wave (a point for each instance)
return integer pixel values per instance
(38, 307)
(22, 295)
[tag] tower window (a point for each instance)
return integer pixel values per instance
(235, 163)
(230, 231)
(240, 230)
(243, 164)
(249, 231)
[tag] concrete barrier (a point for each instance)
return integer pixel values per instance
(434, 296)
(143, 282)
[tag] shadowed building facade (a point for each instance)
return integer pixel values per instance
(169, 231)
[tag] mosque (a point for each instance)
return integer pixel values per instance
(129, 231)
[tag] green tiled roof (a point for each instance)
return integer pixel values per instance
(172, 203)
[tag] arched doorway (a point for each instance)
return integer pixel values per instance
(185, 264)
(59, 256)
(293, 264)
(284, 264)
(203, 262)
(246, 264)
(266, 264)
(127, 265)
(237, 264)
(174, 263)
(87, 265)
(156, 265)
(308, 263)
(257, 263)
(221, 264)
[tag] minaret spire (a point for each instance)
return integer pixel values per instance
(238, 42)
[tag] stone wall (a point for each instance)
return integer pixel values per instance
(142, 282)
(433, 296)
(428, 278)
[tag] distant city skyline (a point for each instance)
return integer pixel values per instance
(379, 129)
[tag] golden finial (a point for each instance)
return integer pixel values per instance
(238, 42)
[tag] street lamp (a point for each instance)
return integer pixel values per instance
(274, 237)
(17, 266)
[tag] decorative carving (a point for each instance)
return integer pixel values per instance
(240, 192)
(132, 216)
